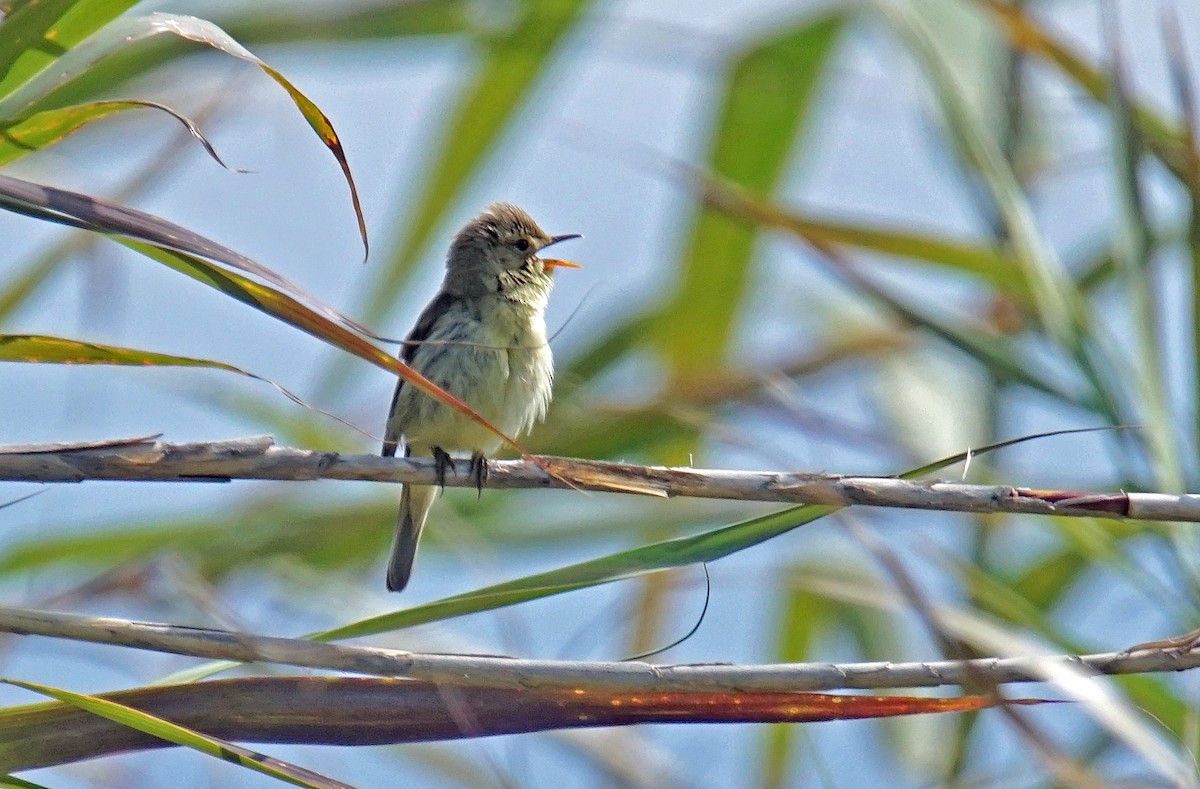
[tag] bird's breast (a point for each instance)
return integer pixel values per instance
(493, 355)
(518, 331)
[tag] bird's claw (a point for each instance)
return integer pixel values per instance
(480, 471)
(442, 462)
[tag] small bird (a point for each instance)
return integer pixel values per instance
(483, 340)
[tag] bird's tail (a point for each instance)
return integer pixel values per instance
(415, 502)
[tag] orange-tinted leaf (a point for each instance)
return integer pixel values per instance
(181, 249)
(294, 313)
(363, 711)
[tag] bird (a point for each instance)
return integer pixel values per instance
(482, 339)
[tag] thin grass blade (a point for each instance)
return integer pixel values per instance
(126, 31)
(22, 137)
(45, 349)
(770, 95)
(180, 735)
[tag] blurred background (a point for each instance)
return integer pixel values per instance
(1016, 235)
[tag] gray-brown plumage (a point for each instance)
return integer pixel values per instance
(483, 340)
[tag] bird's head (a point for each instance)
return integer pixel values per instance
(499, 252)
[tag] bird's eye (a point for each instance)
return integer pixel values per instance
(522, 244)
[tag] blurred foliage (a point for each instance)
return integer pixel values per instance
(1021, 327)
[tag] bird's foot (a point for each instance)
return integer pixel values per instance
(480, 471)
(442, 462)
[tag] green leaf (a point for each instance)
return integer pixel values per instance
(41, 348)
(125, 32)
(268, 530)
(1025, 34)
(1000, 354)
(1052, 291)
(59, 350)
(44, 349)
(988, 263)
(275, 24)
(347, 22)
(705, 547)
(769, 96)
(604, 350)
(805, 615)
(24, 136)
(37, 34)
(1146, 369)
(13, 782)
(180, 735)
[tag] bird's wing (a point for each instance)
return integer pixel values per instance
(440, 305)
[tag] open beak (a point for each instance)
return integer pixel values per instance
(552, 262)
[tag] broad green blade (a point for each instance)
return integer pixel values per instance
(804, 617)
(35, 36)
(189, 738)
(338, 22)
(285, 528)
(604, 350)
(1002, 355)
(770, 94)
(807, 617)
(267, 531)
(17, 289)
(1134, 232)
(642, 432)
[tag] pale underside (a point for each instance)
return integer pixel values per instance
(492, 354)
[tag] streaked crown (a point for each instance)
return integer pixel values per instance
(497, 252)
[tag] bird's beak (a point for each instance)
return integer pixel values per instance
(552, 262)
